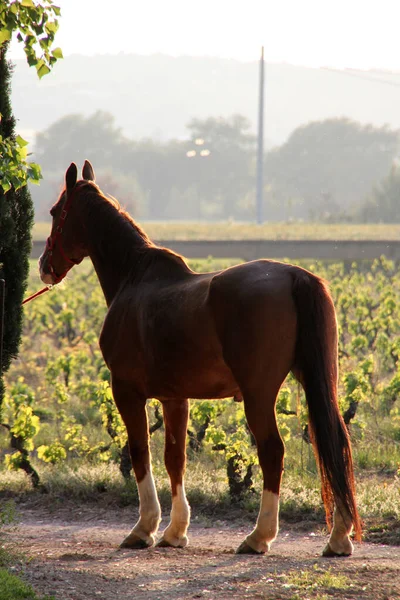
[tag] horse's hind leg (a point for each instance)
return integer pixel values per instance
(133, 412)
(176, 413)
(339, 543)
(260, 414)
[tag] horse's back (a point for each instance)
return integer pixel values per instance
(258, 275)
(263, 283)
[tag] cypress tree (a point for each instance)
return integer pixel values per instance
(16, 220)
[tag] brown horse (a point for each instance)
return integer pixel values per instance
(173, 334)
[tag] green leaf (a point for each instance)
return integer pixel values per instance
(51, 27)
(32, 60)
(57, 53)
(5, 36)
(34, 173)
(18, 183)
(5, 184)
(42, 70)
(22, 154)
(45, 42)
(29, 41)
(28, 3)
(20, 141)
(35, 169)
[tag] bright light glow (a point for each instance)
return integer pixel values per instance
(191, 153)
(199, 142)
(205, 152)
(357, 33)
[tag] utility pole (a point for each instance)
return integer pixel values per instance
(260, 144)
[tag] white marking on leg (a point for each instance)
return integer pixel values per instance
(149, 511)
(266, 528)
(149, 506)
(175, 533)
(339, 541)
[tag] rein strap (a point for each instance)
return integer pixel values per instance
(39, 293)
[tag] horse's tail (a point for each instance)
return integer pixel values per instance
(316, 365)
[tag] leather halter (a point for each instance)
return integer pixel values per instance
(56, 238)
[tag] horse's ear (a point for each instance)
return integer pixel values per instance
(88, 172)
(71, 176)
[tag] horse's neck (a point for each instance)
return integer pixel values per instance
(110, 278)
(117, 251)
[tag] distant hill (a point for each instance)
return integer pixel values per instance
(155, 96)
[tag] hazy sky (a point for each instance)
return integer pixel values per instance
(335, 33)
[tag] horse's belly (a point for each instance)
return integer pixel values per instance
(198, 392)
(201, 382)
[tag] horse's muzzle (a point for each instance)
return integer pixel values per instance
(45, 276)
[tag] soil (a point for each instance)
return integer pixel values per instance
(72, 553)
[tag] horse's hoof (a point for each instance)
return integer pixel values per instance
(135, 543)
(163, 544)
(176, 543)
(244, 548)
(329, 553)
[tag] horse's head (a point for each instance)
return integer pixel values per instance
(65, 246)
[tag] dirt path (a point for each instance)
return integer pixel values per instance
(73, 554)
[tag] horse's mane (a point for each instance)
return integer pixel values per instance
(120, 225)
(98, 206)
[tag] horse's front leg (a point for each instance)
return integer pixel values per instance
(176, 413)
(132, 408)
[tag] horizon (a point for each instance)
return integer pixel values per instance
(18, 57)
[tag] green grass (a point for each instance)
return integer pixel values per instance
(380, 457)
(13, 588)
(246, 231)
(316, 578)
(83, 482)
(379, 497)
(309, 583)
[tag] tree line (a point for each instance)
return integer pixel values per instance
(331, 170)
